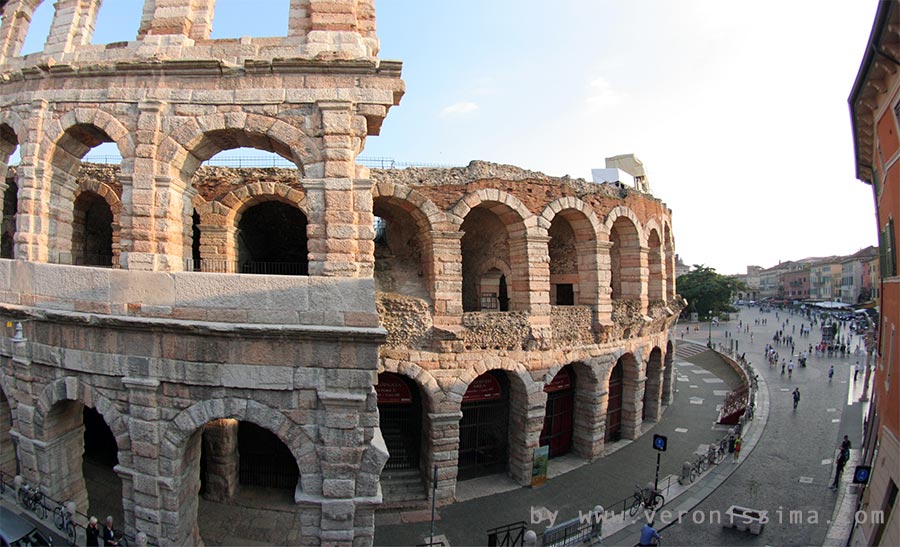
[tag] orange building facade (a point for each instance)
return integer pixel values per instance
(875, 113)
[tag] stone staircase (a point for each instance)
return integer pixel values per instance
(403, 487)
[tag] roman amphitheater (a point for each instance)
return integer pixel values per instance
(307, 343)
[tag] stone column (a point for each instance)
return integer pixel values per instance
(177, 18)
(142, 484)
(33, 218)
(341, 452)
(668, 379)
(589, 423)
(73, 25)
(14, 26)
(218, 252)
(443, 451)
(526, 420)
(220, 445)
(446, 260)
(632, 406)
(652, 395)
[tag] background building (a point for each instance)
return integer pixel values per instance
(875, 114)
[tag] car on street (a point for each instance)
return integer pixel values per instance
(17, 531)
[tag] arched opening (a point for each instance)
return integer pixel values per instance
(80, 230)
(271, 239)
(196, 265)
(231, 21)
(484, 427)
(240, 470)
(401, 250)
(614, 402)
(400, 419)
(625, 260)
(564, 282)
(92, 231)
(81, 453)
(493, 291)
(653, 387)
(559, 416)
(9, 466)
(8, 227)
(39, 27)
(485, 245)
(655, 283)
(116, 22)
(101, 455)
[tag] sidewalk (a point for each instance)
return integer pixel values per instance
(702, 382)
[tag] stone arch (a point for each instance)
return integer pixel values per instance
(453, 394)
(622, 211)
(652, 401)
(103, 190)
(404, 249)
(423, 210)
(496, 224)
(8, 458)
(89, 126)
(589, 416)
(625, 263)
(72, 389)
(252, 194)
(193, 418)
(656, 280)
(198, 139)
(15, 122)
(585, 226)
(180, 455)
(423, 378)
(631, 394)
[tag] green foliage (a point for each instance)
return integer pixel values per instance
(707, 292)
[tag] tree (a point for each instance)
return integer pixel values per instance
(707, 292)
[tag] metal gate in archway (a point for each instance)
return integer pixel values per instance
(400, 419)
(614, 403)
(560, 413)
(483, 428)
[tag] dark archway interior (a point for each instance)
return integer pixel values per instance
(264, 459)
(195, 241)
(92, 231)
(8, 229)
(272, 240)
(101, 455)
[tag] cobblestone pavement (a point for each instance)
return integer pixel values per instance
(689, 422)
(789, 473)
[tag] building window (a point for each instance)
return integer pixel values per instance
(887, 250)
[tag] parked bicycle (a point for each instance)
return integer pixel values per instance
(33, 499)
(62, 518)
(647, 497)
(715, 454)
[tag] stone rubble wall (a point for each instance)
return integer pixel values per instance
(406, 319)
(496, 330)
(571, 326)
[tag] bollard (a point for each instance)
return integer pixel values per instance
(530, 539)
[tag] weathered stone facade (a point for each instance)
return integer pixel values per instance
(145, 295)
(166, 355)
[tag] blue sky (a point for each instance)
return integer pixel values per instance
(737, 109)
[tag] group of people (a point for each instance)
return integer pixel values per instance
(95, 532)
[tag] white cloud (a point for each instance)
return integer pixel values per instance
(602, 95)
(458, 109)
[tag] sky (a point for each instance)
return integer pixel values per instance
(738, 110)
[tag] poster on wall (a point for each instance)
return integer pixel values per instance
(539, 467)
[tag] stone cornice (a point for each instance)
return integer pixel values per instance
(370, 335)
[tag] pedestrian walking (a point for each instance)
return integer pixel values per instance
(737, 448)
(796, 397)
(782, 367)
(839, 467)
(856, 371)
(830, 373)
(790, 368)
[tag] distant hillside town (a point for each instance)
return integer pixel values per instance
(852, 279)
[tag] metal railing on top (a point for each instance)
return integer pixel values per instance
(275, 161)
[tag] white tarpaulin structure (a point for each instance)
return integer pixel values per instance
(832, 305)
